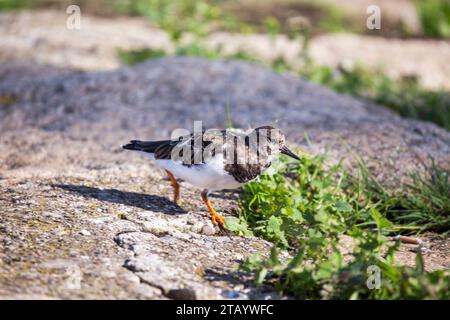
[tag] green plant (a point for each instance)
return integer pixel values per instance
(405, 96)
(14, 4)
(282, 207)
(180, 16)
(334, 20)
(272, 26)
(435, 17)
(324, 272)
(280, 65)
(427, 202)
(197, 49)
(191, 49)
(307, 207)
(291, 17)
(135, 56)
(421, 205)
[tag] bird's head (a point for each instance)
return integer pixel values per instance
(275, 141)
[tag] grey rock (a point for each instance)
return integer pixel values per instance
(144, 264)
(85, 232)
(208, 230)
(173, 92)
(182, 294)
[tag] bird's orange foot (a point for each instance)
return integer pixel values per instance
(175, 186)
(217, 218)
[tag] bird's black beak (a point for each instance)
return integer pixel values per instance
(286, 151)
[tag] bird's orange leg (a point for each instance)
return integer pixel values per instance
(215, 216)
(175, 185)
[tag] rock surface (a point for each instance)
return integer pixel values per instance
(109, 234)
(83, 219)
(81, 117)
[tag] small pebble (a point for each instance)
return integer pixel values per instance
(230, 294)
(208, 230)
(52, 214)
(182, 294)
(84, 232)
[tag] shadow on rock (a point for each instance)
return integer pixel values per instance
(225, 194)
(134, 199)
(242, 280)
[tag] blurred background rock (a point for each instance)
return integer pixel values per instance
(404, 65)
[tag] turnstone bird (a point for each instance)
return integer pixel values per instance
(215, 159)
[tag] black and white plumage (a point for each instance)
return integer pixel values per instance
(215, 159)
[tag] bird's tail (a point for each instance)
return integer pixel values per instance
(146, 146)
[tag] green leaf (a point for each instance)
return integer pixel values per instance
(237, 225)
(380, 221)
(420, 265)
(273, 225)
(343, 206)
(261, 275)
(321, 216)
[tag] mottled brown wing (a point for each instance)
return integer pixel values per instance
(165, 150)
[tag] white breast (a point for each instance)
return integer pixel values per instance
(211, 175)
